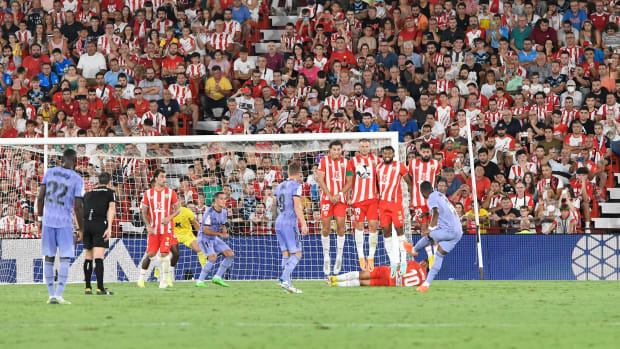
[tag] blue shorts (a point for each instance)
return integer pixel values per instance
(288, 239)
(446, 238)
(210, 247)
(53, 239)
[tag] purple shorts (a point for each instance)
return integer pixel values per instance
(53, 239)
(288, 239)
(447, 238)
(215, 246)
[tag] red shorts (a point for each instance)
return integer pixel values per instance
(420, 214)
(328, 209)
(391, 212)
(160, 242)
(380, 276)
(367, 209)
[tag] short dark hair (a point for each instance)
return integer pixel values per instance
(426, 186)
(294, 168)
(158, 172)
(335, 144)
(104, 178)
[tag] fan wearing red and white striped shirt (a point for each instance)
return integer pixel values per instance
(219, 41)
(363, 198)
(135, 5)
(159, 206)
(23, 35)
(108, 43)
(336, 101)
(391, 213)
(159, 120)
(422, 169)
(11, 225)
(331, 179)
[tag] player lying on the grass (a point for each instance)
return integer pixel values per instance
(380, 276)
(445, 229)
(60, 189)
(159, 206)
(290, 214)
(210, 235)
(100, 209)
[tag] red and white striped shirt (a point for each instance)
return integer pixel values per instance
(130, 165)
(196, 71)
(290, 41)
(159, 121)
(335, 173)
(363, 169)
(161, 205)
(135, 5)
(611, 110)
(58, 18)
(517, 172)
(84, 16)
(105, 45)
(569, 115)
(11, 226)
(444, 85)
(334, 103)
(186, 44)
(574, 53)
(231, 27)
(444, 114)
(160, 26)
(442, 20)
(23, 36)
(389, 177)
(493, 118)
(220, 41)
(182, 94)
(361, 103)
(526, 200)
(421, 171)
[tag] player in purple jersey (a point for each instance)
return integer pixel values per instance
(60, 189)
(290, 213)
(445, 229)
(210, 235)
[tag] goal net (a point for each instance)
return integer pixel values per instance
(246, 168)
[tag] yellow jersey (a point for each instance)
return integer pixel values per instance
(183, 223)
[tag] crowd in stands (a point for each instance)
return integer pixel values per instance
(535, 79)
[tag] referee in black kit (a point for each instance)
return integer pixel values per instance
(99, 212)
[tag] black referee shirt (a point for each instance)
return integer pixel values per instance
(96, 204)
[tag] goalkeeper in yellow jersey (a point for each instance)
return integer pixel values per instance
(183, 224)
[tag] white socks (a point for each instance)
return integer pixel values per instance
(401, 249)
(389, 248)
(351, 283)
(359, 243)
(340, 244)
(172, 273)
(325, 243)
(165, 268)
(354, 275)
(373, 239)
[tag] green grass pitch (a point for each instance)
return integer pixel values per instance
(454, 314)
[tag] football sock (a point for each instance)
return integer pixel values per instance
(373, 239)
(325, 243)
(48, 274)
(401, 248)
(422, 243)
(226, 263)
(63, 275)
(387, 242)
(143, 271)
(165, 267)
(98, 273)
(202, 258)
(88, 272)
(350, 283)
(205, 270)
(284, 261)
(434, 269)
(340, 244)
(290, 266)
(354, 275)
(172, 274)
(359, 242)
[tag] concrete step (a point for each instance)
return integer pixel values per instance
(614, 193)
(610, 208)
(281, 21)
(261, 47)
(607, 223)
(272, 34)
(209, 126)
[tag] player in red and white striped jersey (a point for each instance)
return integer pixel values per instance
(391, 213)
(422, 169)
(11, 225)
(336, 101)
(331, 179)
(159, 206)
(363, 198)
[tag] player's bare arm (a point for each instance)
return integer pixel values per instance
(147, 221)
(409, 180)
(348, 184)
(40, 204)
(300, 215)
(177, 210)
(110, 217)
(79, 213)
